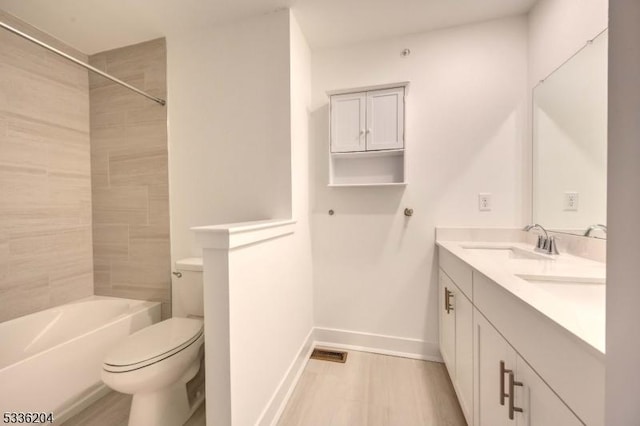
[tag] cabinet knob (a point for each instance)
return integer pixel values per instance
(362, 131)
(368, 130)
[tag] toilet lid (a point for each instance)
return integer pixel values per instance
(153, 343)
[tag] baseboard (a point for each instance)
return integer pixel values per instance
(377, 343)
(276, 405)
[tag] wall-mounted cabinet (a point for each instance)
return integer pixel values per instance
(367, 136)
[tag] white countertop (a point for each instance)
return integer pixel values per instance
(579, 308)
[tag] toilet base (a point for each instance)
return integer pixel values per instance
(166, 407)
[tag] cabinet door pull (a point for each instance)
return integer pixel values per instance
(503, 371)
(512, 396)
(447, 300)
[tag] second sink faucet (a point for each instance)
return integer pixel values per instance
(592, 228)
(546, 244)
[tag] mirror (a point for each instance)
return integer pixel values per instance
(570, 143)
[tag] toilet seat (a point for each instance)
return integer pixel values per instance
(154, 344)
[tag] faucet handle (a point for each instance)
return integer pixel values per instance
(551, 247)
(542, 242)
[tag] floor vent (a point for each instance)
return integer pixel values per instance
(328, 355)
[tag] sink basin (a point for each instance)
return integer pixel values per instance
(553, 279)
(505, 252)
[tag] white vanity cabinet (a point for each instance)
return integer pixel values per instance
(509, 364)
(367, 140)
(507, 390)
(456, 340)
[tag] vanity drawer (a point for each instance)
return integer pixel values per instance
(458, 271)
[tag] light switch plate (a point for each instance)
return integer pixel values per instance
(484, 202)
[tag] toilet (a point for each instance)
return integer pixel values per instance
(155, 363)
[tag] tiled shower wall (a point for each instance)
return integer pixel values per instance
(130, 176)
(45, 178)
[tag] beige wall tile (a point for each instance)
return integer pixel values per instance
(157, 116)
(69, 189)
(130, 177)
(144, 293)
(141, 166)
(148, 134)
(107, 119)
(23, 186)
(19, 151)
(67, 289)
(45, 192)
(120, 205)
(23, 295)
(57, 104)
(112, 97)
(99, 171)
(110, 242)
(150, 274)
(159, 206)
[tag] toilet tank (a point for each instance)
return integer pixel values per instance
(187, 288)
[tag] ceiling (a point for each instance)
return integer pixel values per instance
(96, 25)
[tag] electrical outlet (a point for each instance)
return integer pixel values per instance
(484, 202)
(571, 201)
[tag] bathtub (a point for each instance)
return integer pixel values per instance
(50, 361)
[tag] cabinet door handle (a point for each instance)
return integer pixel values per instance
(503, 371)
(362, 131)
(447, 300)
(512, 396)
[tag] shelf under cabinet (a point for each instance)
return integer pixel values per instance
(346, 185)
(368, 154)
(368, 168)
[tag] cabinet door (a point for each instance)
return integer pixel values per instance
(385, 119)
(447, 325)
(540, 405)
(464, 352)
(348, 122)
(490, 383)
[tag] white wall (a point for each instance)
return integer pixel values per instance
(374, 269)
(623, 291)
(229, 126)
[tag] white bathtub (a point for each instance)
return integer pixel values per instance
(50, 361)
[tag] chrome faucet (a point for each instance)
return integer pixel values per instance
(592, 228)
(546, 244)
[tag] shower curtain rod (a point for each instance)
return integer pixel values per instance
(82, 64)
